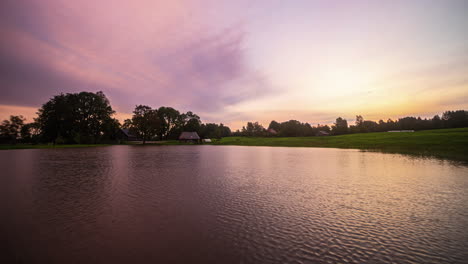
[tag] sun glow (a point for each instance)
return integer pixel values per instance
(344, 81)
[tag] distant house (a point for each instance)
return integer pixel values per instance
(401, 131)
(322, 133)
(189, 137)
(272, 132)
(126, 135)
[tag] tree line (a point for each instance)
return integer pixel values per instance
(168, 123)
(294, 128)
(87, 118)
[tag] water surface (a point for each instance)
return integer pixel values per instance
(230, 204)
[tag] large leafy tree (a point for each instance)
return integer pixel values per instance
(171, 122)
(340, 127)
(10, 130)
(93, 113)
(76, 118)
(292, 128)
(212, 130)
(191, 122)
(253, 129)
(30, 132)
(145, 122)
(275, 126)
(457, 118)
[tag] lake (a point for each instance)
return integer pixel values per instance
(230, 204)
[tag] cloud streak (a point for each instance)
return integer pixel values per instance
(150, 52)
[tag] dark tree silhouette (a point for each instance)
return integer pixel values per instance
(340, 127)
(170, 122)
(145, 122)
(275, 126)
(10, 130)
(75, 118)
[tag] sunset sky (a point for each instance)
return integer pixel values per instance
(239, 61)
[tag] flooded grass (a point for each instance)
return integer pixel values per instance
(446, 143)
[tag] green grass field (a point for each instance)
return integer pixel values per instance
(444, 143)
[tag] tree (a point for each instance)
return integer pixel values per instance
(110, 130)
(145, 122)
(359, 120)
(55, 119)
(364, 126)
(340, 127)
(191, 122)
(453, 119)
(93, 113)
(275, 126)
(127, 124)
(30, 132)
(437, 122)
(253, 129)
(325, 128)
(291, 128)
(170, 122)
(212, 130)
(390, 125)
(10, 130)
(75, 117)
(225, 130)
(382, 126)
(309, 130)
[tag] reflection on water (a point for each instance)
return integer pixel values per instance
(230, 204)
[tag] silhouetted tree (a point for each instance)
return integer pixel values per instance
(340, 127)
(292, 128)
(253, 129)
(212, 130)
(325, 128)
(275, 126)
(75, 117)
(30, 133)
(437, 122)
(10, 130)
(359, 120)
(454, 119)
(191, 122)
(127, 124)
(145, 122)
(170, 122)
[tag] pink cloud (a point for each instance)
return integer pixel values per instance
(142, 52)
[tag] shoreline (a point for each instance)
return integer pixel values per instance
(442, 143)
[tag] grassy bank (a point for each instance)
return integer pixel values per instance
(45, 146)
(444, 143)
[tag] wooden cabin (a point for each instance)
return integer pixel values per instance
(189, 137)
(322, 133)
(126, 135)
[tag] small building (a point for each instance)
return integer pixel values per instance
(322, 133)
(189, 137)
(398, 131)
(272, 132)
(126, 135)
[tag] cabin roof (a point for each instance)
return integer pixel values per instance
(127, 132)
(272, 131)
(189, 135)
(323, 133)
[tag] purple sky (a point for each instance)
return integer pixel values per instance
(239, 61)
